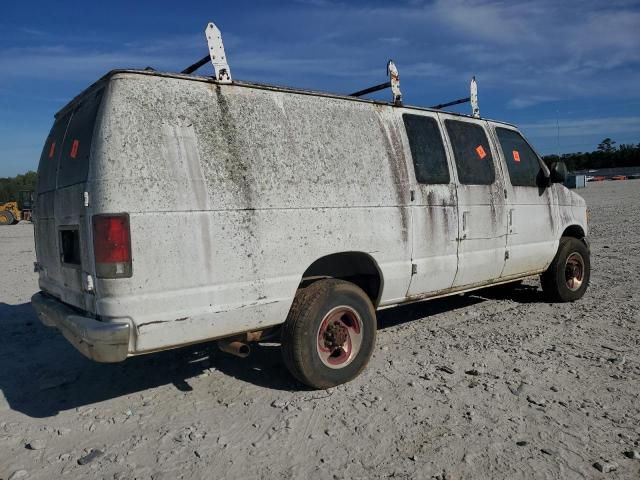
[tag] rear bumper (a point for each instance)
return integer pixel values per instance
(100, 341)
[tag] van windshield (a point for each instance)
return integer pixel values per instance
(65, 156)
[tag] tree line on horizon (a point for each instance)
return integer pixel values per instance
(10, 186)
(607, 155)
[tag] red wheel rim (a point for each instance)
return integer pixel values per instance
(574, 271)
(339, 337)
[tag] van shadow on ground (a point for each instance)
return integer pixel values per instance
(42, 374)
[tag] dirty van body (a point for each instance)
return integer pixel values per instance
(174, 209)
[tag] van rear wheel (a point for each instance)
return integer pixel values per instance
(567, 278)
(330, 333)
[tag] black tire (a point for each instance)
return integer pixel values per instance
(6, 217)
(314, 310)
(560, 281)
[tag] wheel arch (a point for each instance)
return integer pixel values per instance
(357, 267)
(575, 231)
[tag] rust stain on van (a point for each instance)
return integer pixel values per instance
(159, 322)
(398, 167)
(234, 163)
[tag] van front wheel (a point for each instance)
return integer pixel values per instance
(330, 333)
(567, 278)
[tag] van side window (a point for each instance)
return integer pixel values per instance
(522, 161)
(472, 153)
(427, 149)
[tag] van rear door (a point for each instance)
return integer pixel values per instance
(62, 227)
(434, 210)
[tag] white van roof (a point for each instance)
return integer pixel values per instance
(263, 86)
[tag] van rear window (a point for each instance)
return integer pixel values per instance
(50, 157)
(74, 159)
(474, 161)
(65, 157)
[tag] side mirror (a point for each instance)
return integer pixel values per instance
(558, 172)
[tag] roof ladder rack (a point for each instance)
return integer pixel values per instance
(218, 59)
(393, 83)
(216, 55)
(472, 98)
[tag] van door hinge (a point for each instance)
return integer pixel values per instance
(413, 195)
(505, 193)
(506, 255)
(414, 269)
(86, 199)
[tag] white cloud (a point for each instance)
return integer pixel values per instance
(497, 22)
(395, 41)
(75, 64)
(80, 62)
(526, 101)
(528, 51)
(607, 126)
(315, 3)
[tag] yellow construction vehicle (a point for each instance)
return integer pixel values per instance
(13, 212)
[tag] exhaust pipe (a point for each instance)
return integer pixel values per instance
(238, 344)
(239, 349)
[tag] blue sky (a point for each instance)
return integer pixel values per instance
(538, 63)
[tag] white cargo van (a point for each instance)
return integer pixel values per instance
(174, 209)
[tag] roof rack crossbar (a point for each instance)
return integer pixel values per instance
(449, 104)
(375, 88)
(192, 68)
(472, 98)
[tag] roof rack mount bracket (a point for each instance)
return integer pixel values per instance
(217, 55)
(473, 97)
(393, 83)
(394, 80)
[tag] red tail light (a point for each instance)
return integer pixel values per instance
(112, 245)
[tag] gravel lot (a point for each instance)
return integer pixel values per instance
(485, 385)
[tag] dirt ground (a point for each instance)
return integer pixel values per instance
(536, 390)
